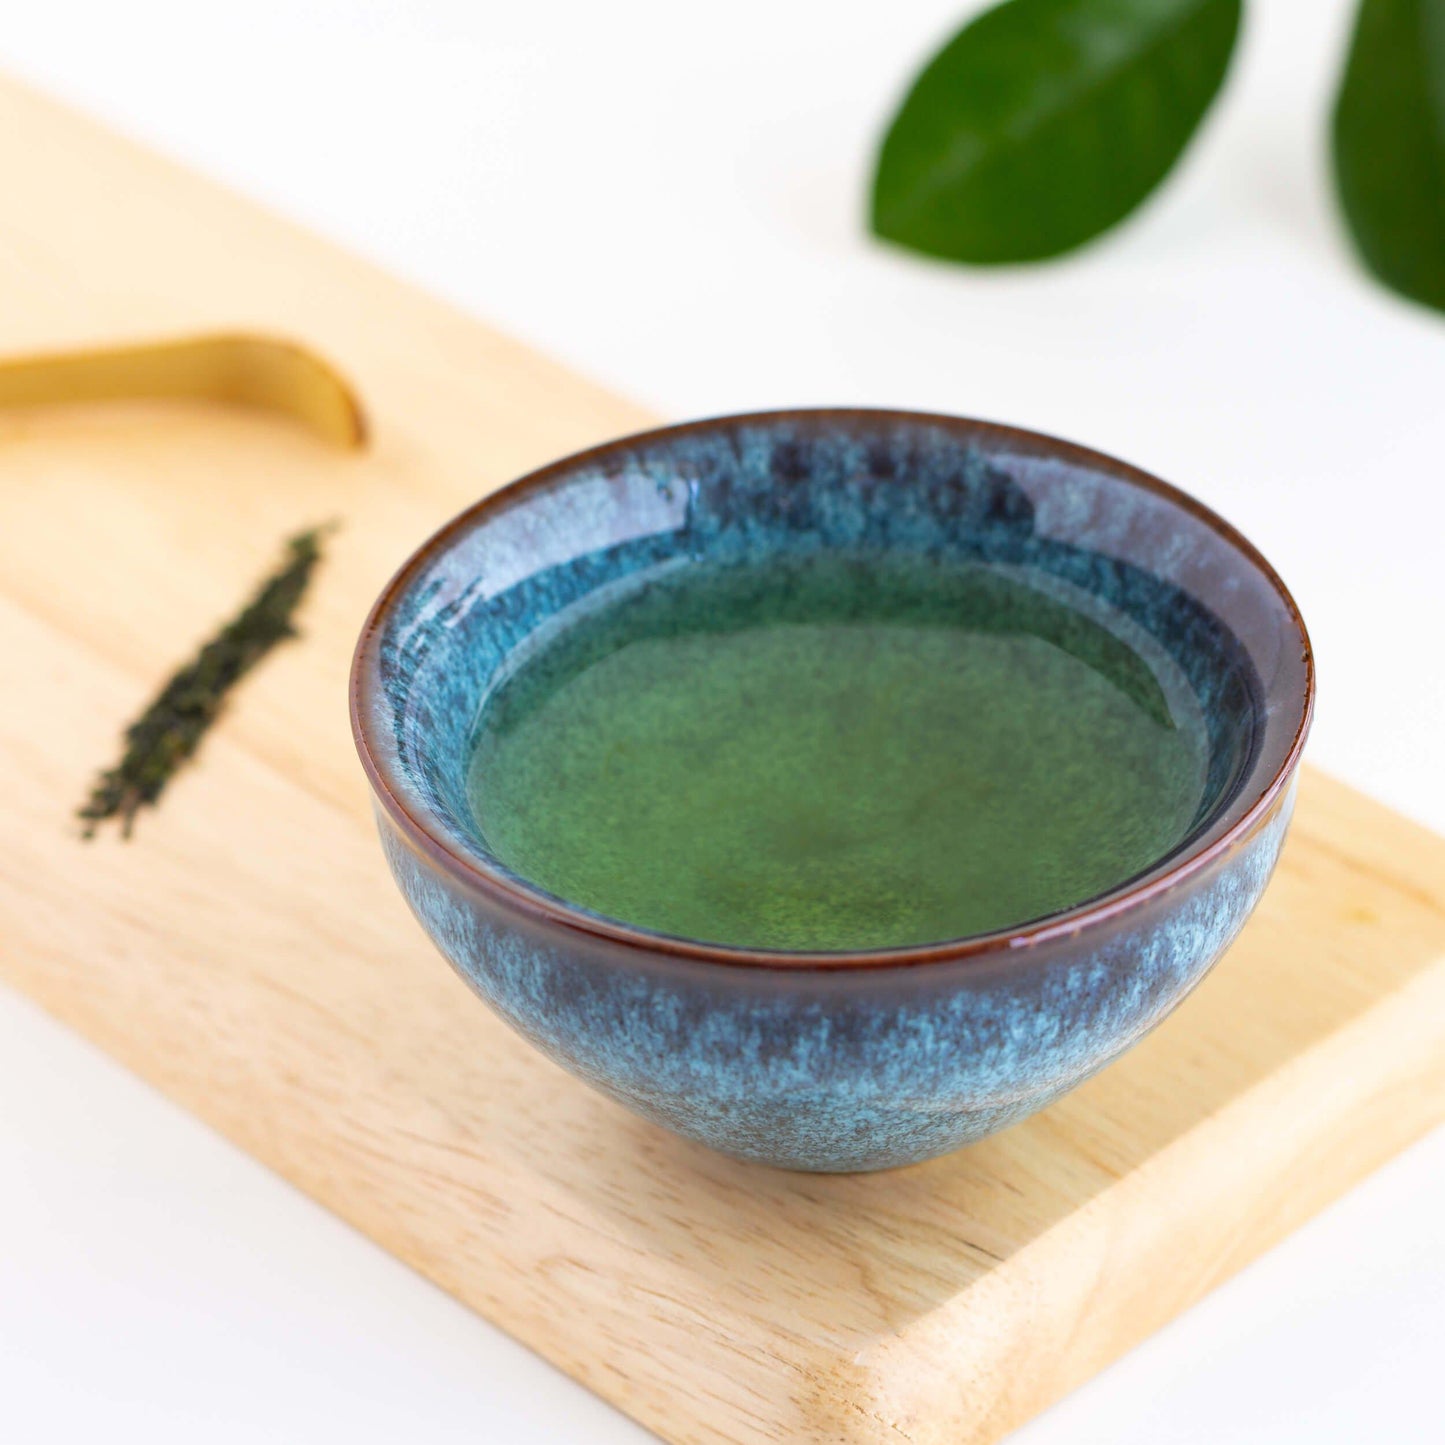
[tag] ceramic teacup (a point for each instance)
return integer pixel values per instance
(832, 1060)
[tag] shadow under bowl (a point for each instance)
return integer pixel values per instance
(832, 1061)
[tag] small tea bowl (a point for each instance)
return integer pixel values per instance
(832, 1061)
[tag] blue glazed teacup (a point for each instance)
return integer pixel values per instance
(835, 1061)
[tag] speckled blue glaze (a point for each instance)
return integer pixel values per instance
(831, 1062)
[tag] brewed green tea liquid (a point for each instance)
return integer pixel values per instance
(843, 753)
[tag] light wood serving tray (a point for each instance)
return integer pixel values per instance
(248, 955)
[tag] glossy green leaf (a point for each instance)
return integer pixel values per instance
(1389, 144)
(1045, 122)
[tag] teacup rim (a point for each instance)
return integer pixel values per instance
(1245, 810)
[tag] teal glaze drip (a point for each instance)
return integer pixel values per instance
(848, 751)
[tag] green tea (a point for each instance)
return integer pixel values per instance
(844, 752)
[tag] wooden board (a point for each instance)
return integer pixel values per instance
(248, 955)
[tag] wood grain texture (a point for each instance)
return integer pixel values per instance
(248, 955)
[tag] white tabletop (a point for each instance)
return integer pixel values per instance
(669, 196)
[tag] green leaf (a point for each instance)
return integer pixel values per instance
(1389, 144)
(1045, 122)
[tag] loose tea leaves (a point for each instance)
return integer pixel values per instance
(170, 730)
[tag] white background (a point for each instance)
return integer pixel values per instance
(669, 195)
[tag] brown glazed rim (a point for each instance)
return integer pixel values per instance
(1249, 807)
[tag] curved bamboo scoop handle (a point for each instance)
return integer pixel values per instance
(244, 370)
